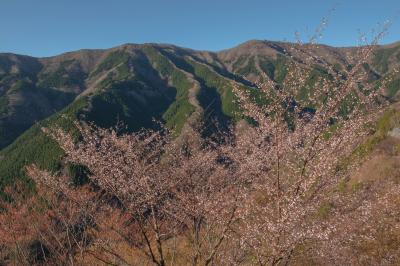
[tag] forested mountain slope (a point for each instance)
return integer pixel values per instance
(137, 84)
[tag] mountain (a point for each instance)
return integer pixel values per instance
(136, 84)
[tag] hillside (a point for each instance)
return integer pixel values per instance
(135, 84)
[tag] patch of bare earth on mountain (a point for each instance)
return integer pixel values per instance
(382, 165)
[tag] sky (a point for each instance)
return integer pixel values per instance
(50, 27)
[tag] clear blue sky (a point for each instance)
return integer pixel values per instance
(50, 27)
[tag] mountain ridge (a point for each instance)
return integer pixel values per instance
(386, 45)
(135, 83)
